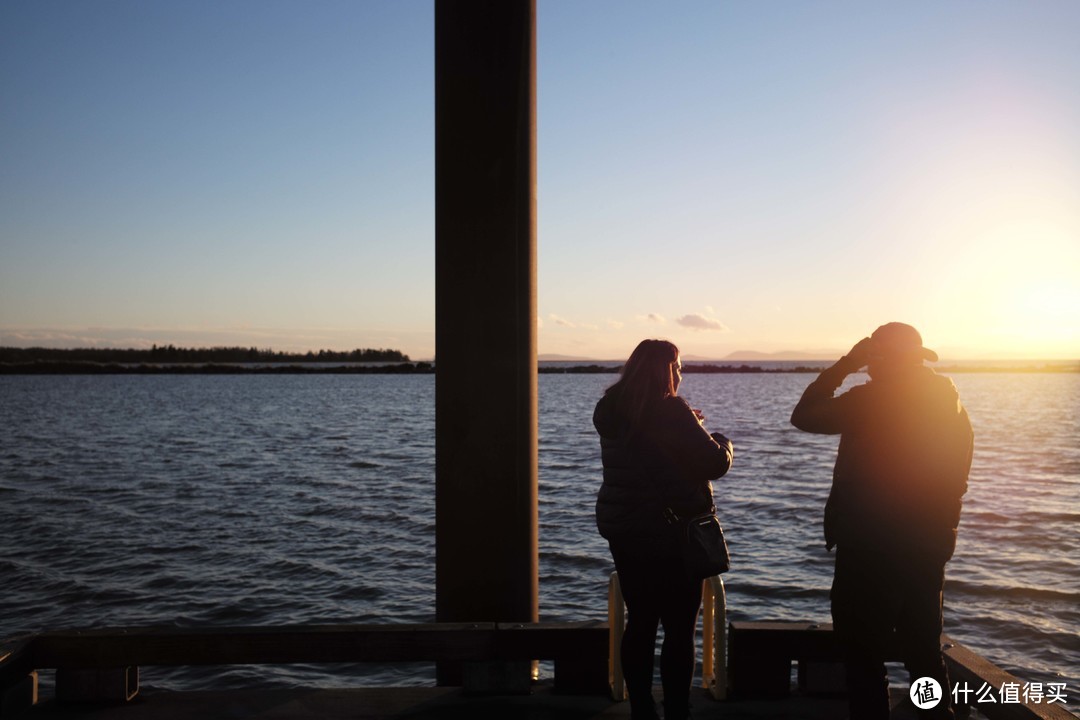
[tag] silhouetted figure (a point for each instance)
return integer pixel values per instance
(902, 467)
(657, 454)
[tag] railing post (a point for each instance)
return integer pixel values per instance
(19, 696)
(18, 678)
(110, 684)
(714, 638)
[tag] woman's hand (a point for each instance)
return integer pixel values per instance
(724, 442)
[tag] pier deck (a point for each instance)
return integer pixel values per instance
(421, 703)
(100, 671)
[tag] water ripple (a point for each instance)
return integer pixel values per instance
(188, 500)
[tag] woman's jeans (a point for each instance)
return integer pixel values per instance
(657, 591)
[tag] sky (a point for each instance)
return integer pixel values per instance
(778, 177)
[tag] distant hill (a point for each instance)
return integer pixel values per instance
(738, 355)
(554, 357)
(784, 355)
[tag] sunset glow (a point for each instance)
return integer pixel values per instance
(730, 176)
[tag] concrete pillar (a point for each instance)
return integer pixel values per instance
(485, 312)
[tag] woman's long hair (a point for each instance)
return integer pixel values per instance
(647, 378)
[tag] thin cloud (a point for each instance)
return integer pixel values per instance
(697, 321)
(561, 321)
(615, 324)
(654, 318)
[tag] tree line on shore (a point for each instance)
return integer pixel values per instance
(172, 354)
(169, 359)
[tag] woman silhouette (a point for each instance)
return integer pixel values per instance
(657, 455)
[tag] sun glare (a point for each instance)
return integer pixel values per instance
(1022, 283)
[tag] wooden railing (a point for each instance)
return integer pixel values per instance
(759, 656)
(104, 663)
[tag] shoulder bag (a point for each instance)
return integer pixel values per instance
(704, 550)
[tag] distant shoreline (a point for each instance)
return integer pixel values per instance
(51, 367)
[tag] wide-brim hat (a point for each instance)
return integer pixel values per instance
(899, 341)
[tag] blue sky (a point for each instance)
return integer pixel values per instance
(770, 176)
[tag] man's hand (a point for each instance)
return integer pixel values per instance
(858, 356)
(817, 410)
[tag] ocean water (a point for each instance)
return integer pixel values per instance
(258, 500)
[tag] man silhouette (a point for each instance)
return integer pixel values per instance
(892, 513)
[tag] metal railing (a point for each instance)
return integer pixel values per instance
(714, 673)
(713, 638)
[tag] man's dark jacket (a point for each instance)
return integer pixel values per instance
(903, 462)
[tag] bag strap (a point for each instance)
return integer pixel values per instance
(673, 518)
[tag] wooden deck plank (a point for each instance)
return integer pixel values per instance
(263, 645)
(115, 647)
(426, 703)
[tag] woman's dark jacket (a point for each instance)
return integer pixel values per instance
(666, 462)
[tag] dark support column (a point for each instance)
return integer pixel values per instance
(485, 314)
